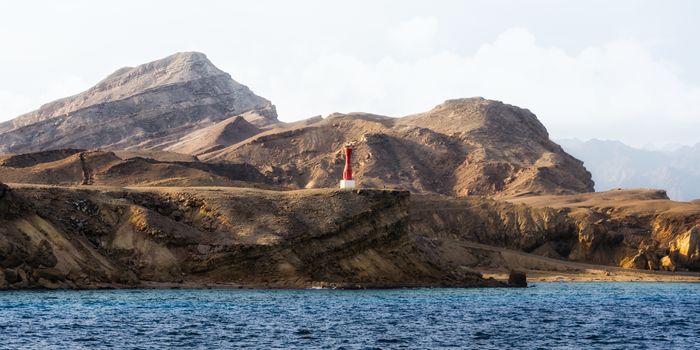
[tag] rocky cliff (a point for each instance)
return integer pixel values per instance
(146, 107)
(95, 237)
(66, 238)
(638, 229)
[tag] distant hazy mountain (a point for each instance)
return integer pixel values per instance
(614, 164)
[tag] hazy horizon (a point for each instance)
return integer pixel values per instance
(592, 70)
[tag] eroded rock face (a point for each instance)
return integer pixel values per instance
(686, 248)
(146, 107)
(112, 237)
(667, 264)
(637, 229)
(116, 238)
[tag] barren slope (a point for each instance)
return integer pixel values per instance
(469, 146)
(79, 167)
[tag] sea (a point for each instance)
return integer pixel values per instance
(566, 315)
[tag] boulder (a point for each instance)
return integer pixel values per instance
(11, 276)
(517, 279)
(667, 264)
(637, 261)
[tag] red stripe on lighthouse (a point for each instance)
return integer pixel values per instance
(347, 172)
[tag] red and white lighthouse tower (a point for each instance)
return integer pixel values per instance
(347, 182)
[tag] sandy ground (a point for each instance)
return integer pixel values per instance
(542, 269)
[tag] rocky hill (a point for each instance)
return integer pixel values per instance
(461, 147)
(184, 104)
(146, 107)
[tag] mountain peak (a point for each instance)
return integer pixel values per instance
(176, 68)
(135, 107)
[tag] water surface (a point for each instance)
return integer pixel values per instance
(548, 315)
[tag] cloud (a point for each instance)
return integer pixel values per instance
(414, 36)
(617, 90)
(15, 104)
(12, 105)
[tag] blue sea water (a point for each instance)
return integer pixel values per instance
(546, 315)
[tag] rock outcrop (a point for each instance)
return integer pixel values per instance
(146, 107)
(238, 237)
(517, 279)
(686, 249)
(636, 229)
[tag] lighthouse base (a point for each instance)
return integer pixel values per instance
(347, 184)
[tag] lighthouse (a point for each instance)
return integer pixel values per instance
(347, 182)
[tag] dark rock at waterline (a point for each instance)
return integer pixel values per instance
(517, 279)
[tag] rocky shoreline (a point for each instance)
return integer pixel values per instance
(112, 237)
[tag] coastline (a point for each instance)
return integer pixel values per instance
(602, 274)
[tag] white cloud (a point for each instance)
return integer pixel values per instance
(414, 36)
(63, 87)
(14, 104)
(618, 90)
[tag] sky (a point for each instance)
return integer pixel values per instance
(624, 70)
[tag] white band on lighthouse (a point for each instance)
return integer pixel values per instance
(347, 184)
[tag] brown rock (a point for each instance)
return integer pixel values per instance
(687, 248)
(50, 274)
(667, 264)
(517, 279)
(11, 276)
(637, 261)
(43, 255)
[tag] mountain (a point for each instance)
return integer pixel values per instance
(461, 147)
(173, 174)
(183, 104)
(146, 107)
(616, 165)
